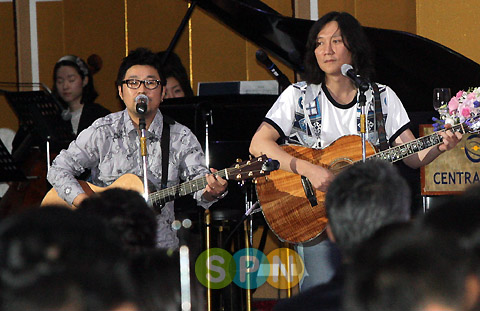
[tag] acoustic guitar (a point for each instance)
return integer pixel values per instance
(256, 167)
(295, 211)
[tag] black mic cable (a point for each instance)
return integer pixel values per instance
(283, 81)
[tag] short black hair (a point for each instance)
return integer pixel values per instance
(404, 268)
(140, 56)
(52, 257)
(355, 40)
(459, 216)
(128, 216)
(363, 198)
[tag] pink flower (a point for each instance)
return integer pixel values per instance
(459, 94)
(466, 112)
(453, 104)
(471, 96)
(467, 103)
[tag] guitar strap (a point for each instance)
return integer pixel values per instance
(380, 122)
(165, 145)
(307, 98)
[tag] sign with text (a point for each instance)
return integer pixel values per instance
(453, 171)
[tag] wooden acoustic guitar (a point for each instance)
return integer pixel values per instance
(295, 211)
(256, 167)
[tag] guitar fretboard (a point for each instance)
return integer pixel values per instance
(169, 194)
(251, 168)
(400, 152)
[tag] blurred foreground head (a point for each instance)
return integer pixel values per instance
(55, 259)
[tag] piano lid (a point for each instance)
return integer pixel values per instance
(411, 65)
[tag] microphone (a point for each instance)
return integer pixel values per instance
(282, 79)
(361, 83)
(142, 103)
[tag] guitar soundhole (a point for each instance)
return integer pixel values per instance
(339, 164)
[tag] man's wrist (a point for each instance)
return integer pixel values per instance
(438, 149)
(222, 195)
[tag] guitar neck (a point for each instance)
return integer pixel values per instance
(400, 152)
(169, 194)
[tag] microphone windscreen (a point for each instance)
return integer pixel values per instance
(141, 99)
(263, 58)
(345, 68)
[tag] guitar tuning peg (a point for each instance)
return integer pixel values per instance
(238, 160)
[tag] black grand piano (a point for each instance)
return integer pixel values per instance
(412, 65)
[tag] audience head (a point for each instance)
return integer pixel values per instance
(459, 217)
(55, 259)
(72, 80)
(355, 41)
(363, 198)
(128, 216)
(157, 279)
(178, 83)
(403, 268)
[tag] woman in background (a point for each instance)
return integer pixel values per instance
(178, 84)
(73, 86)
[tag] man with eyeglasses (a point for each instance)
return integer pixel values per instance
(110, 147)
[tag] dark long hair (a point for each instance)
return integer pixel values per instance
(173, 67)
(89, 94)
(355, 41)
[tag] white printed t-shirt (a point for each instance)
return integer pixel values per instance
(327, 120)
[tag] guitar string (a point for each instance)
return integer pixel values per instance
(197, 183)
(437, 139)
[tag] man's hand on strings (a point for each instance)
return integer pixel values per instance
(320, 177)
(450, 139)
(216, 187)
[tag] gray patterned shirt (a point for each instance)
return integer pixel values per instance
(110, 147)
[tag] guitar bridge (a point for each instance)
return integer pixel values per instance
(309, 191)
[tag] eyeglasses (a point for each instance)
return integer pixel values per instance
(135, 84)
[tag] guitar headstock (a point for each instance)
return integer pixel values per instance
(255, 167)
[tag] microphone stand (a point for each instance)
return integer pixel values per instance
(182, 228)
(208, 119)
(363, 119)
(143, 151)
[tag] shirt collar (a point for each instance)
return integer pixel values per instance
(154, 129)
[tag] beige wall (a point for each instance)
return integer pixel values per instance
(7, 61)
(454, 24)
(213, 51)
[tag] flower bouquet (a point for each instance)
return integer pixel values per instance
(459, 109)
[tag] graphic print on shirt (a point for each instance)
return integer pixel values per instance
(301, 132)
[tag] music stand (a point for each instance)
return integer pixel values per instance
(41, 113)
(9, 171)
